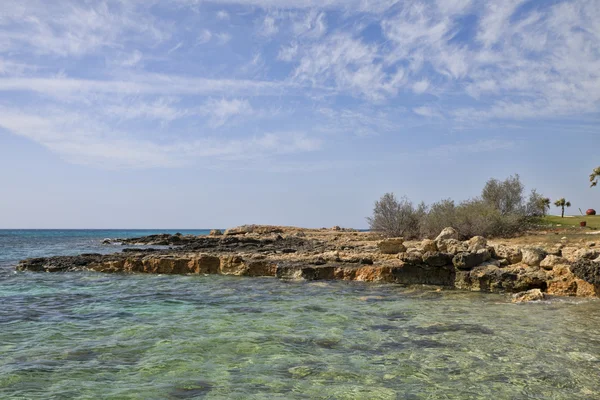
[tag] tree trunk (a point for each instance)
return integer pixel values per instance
(563, 212)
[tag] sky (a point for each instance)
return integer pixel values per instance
(202, 114)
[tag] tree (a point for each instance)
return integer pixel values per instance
(594, 176)
(562, 203)
(394, 218)
(537, 205)
(505, 196)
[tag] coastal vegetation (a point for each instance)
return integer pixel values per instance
(501, 210)
(562, 203)
(594, 176)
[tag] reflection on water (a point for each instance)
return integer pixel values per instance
(89, 336)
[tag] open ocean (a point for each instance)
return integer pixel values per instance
(87, 335)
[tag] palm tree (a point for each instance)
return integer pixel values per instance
(594, 176)
(562, 203)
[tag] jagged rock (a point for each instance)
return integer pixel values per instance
(391, 246)
(550, 261)
(512, 254)
(427, 245)
(587, 270)
(530, 295)
(452, 246)
(412, 258)
(437, 259)
(215, 232)
(588, 254)
(467, 261)
(107, 241)
(533, 256)
(477, 243)
(447, 233)
(257, 229)
(487, 278)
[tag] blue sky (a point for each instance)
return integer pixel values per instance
(193, 113)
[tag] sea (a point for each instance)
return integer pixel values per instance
(86, 335)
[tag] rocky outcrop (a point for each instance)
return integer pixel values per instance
(293, 253)
(391, 246)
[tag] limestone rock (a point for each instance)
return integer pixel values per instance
(447, 233)
(530, 295)
(550, 261)
(467, 261)
(452, 246)
(215, 232)
(588, 254)
(437, 259)
(512, 254)
(428, 245)
(533, 256)
(391, 246)
(477, 243)
(411, 258)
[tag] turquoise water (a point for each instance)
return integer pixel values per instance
(97, 336)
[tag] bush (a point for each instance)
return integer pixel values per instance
(500, 211)
(441, 215)
(395, 218)
(505, 196)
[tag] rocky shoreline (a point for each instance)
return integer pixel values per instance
(326, 254)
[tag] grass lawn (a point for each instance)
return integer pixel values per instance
(593, 222)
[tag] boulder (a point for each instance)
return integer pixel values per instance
(215, 232)
(391, 246)
(428, 245)
(533, 256)
(530, 295)
(550, 261)
(587, 270)
(467, 261)
(437, 259)
(447, 233)
(477, 243)
(588, 254)
(411, 258)
(452, 246)
(107, 241)
(512, 254)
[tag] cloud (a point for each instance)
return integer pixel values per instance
(80, 138)
(427, 112)
(269, 26)
(480, 146)
(222, 111)
(222, 15)
(139, 83)
(204, 36)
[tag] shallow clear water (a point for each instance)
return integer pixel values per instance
(90, 336)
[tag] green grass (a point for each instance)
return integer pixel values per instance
(593, 222)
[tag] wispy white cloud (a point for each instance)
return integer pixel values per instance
(82, 139)
(223, 110)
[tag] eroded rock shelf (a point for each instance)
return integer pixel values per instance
(327, 254)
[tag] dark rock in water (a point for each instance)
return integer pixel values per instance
(445, 328)
(134, 250)
(587, 270)
(194, 390)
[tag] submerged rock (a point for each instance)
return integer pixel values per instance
(530, 295)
